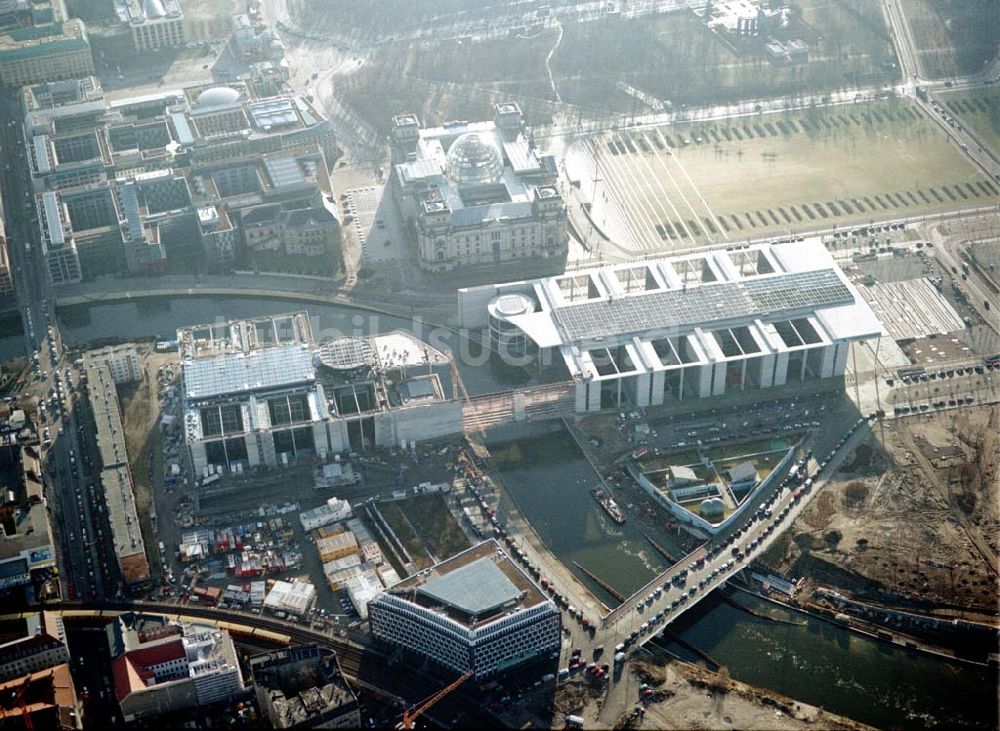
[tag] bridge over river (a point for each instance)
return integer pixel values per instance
(704, 569)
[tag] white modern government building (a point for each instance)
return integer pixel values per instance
(682, 327)
(476, 611)
(261, 393)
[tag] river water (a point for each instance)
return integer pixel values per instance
(551, 485)
(845, 673)
(160, 317)
(550, 481)
(818, 663)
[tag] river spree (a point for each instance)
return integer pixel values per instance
(160, 317)
(551, 483)
(846, 673)
(818, 663)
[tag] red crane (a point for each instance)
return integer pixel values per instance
(25, 714)
(410, 716)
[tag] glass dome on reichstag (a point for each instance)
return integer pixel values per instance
(217, 96)
(474, 159)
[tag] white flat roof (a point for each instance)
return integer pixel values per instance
(52, 218)
(851, 322)
(399, 349)
(42, 153)
(806, 281)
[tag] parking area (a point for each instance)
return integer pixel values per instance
(922, 390)
(361, 205)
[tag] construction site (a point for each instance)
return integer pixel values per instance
(913, 520)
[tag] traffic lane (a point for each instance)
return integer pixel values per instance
(838, 422)
(715, 571)
(32, 288)
(974, 282)
(968, 141)
(88, 532)
(67, 531)
(69, 511)
(81, 485)
(70, 477)
(957, 133)
(86, 446)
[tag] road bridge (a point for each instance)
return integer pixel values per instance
(713, 564)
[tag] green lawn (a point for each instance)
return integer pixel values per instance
(269, 261)
(434, 524)
(769, 174)
(411, 542)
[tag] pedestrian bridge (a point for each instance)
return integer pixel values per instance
(554, 401)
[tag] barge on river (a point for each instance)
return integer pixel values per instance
(610, 506)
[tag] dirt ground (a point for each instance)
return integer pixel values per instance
(140, 409)
(914, 518)
(426, 528)
(688, 697)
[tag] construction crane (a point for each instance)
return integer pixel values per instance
(410, 716)
(19, 697)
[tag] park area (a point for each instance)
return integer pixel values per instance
(955, 37)
(674, 57)
(588, 69)
(671, 187)
(548, 64)
(455, 80)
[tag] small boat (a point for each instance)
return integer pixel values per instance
(610, 506)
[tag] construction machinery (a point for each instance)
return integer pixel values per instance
(25, 713)
(410, 716)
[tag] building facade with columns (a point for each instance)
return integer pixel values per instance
(682, 327)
